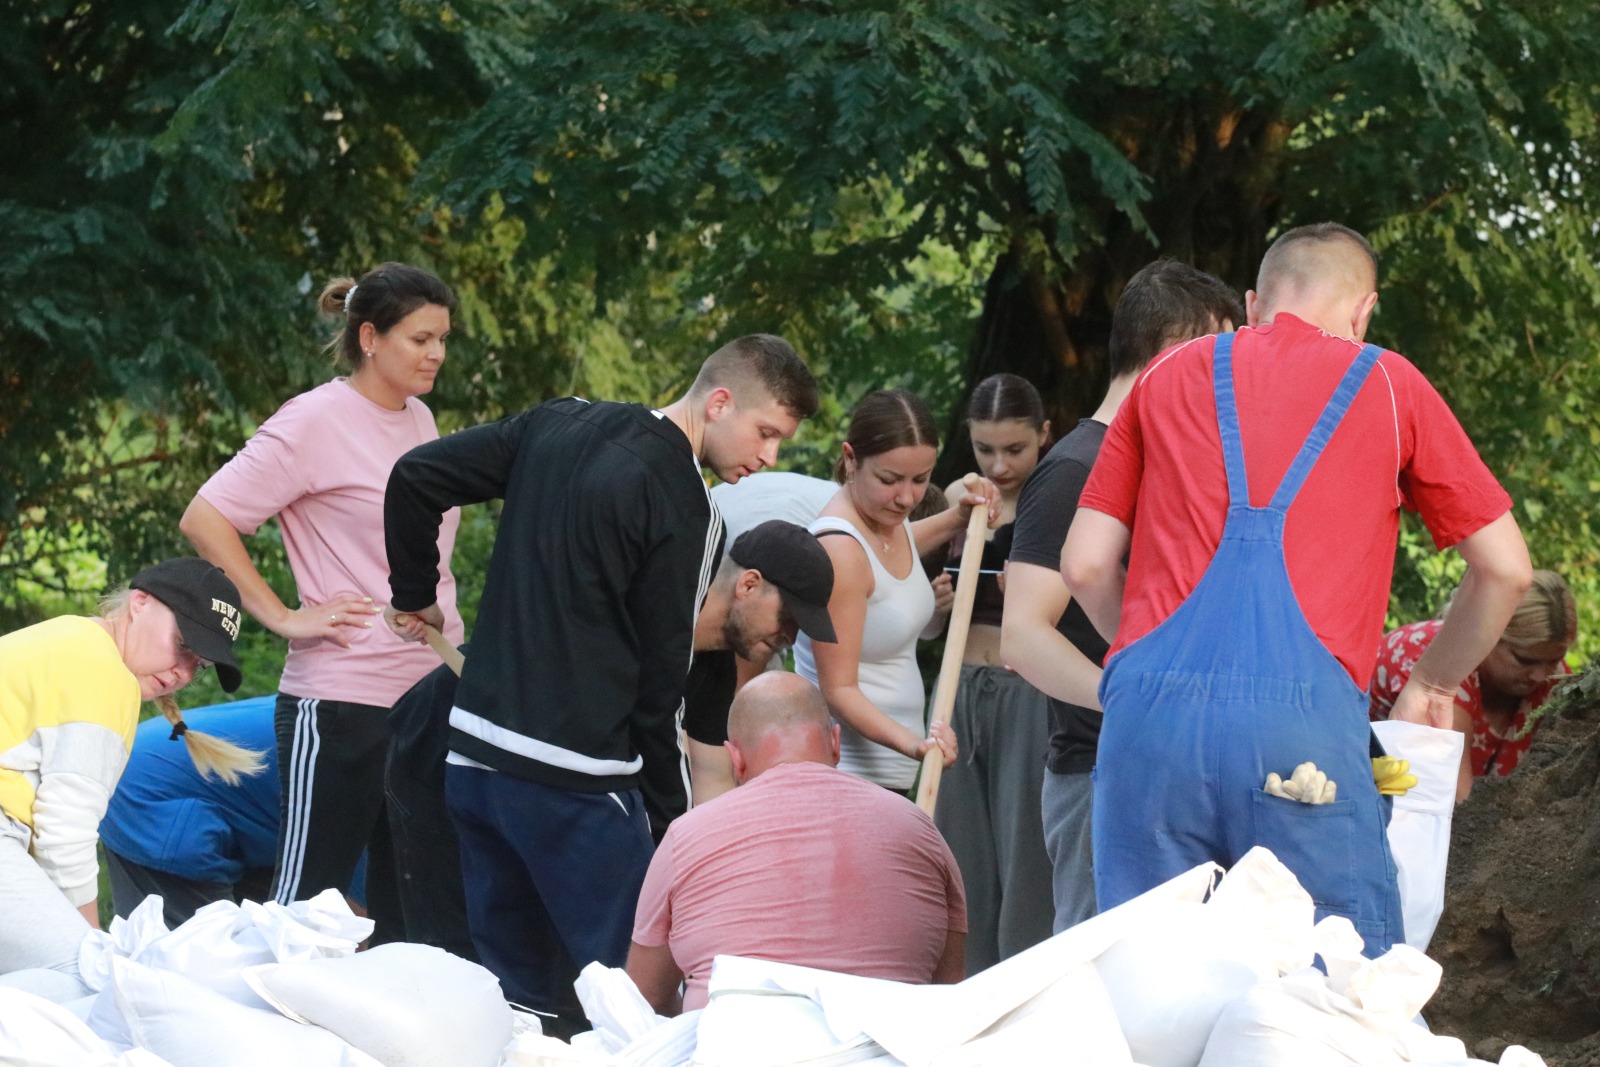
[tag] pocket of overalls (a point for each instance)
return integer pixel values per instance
(1315, 841)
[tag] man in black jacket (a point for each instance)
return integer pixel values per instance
(564, 733)
(776, 579)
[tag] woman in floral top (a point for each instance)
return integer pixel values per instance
(1493, 702)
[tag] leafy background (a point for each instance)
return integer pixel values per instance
(915, 193)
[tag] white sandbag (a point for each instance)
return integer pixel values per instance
(145, 925)
(760, 1028)
(188, 1025)
(35, 1032)
(614, 1006)
(1075, 1012)
(1360, 1014)
(321, 927)
(672, 1044)
(404, 1005)
(919, 1023)
(1170, 980)
(223, 938)
(1419, 829)
(539, 1050)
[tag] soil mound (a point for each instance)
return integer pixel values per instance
(1520, 936)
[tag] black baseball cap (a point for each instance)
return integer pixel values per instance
(791, 558)
(206, 604)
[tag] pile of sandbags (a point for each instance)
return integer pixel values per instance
(1200, 972)
(261, 985)
(1208, 970)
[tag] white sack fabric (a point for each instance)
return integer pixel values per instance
(404, 1005)
(1170, 979)
(188, 1025)
(921, 1025)
(223, 938)
(35, 1032)
(1419, 831)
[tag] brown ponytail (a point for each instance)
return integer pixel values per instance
(212, 756)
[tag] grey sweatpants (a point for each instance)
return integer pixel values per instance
(40, 932)
(1065, 805)
(988, 811)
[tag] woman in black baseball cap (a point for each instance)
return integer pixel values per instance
(70, 690)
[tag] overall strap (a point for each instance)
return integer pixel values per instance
(1228, 421)
(1327, 422)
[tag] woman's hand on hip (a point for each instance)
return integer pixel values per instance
(333, 620)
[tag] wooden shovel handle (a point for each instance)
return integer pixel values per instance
(955, 643)
(439, 643)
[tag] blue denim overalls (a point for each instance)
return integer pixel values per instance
(1233, 685)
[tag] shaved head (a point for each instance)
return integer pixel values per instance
(1326, 274)
(779, 717)
(1321, 258)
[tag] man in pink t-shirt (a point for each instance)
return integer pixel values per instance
(801, 864)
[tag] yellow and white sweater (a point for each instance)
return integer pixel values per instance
(68, 708)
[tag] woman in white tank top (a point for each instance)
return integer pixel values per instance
(882, 598)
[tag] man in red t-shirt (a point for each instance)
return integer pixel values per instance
(801, 864)
(1160, 492)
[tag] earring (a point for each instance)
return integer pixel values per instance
(369, 353)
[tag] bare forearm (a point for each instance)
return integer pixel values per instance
(1498, 574)
(1101, 600)
(851, 707)
(1051, 664)
(215, 539)
(657, 976)
(1478, 616)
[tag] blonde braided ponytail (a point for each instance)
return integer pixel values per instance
(213, 756)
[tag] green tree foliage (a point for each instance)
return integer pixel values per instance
(157, 227)
(916, 193)
(816, 150)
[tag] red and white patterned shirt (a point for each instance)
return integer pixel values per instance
(1492, 753)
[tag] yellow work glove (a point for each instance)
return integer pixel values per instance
(1307, 785)
(1393, 776)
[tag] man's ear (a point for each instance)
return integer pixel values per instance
(833, 743)
(1361, 317)
(1252, 308)
(748, 583)
(736, 755)
(719, 402)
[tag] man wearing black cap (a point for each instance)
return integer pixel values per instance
(775, 579)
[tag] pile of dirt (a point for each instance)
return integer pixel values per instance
(1520, 937)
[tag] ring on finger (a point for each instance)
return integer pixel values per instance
(334, 617)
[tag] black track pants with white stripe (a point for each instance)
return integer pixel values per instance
(331, 757)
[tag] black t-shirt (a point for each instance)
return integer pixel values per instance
(988, 602)
(1044, 514)
(709, 693)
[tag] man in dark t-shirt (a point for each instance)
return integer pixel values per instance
(1045, 636)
